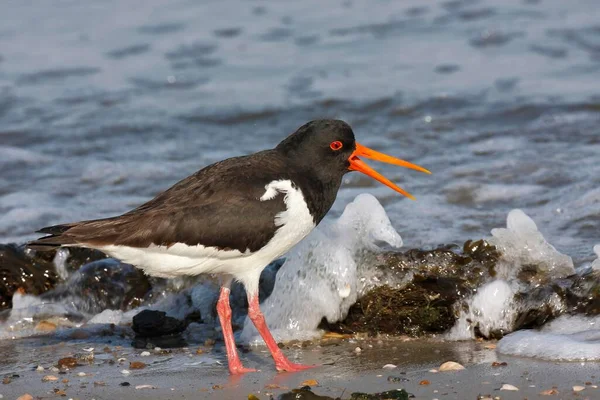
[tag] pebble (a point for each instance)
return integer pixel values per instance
(310, 382)
(54, 369)
(49, 378)
(39, 368)
(145, 353)
(137, 365)
(396, 379)
(358, 350)
(433, 371)
(6, 380)
(506, 386)
(578, 388)
(125, 372)
(67, 362)
(81, 374)
(424, 382)
(145, 387)
(451, 366)
(125, 384)
(549, 392)
(389, 366)
(499, 364)
(26, 396)
(45, 326)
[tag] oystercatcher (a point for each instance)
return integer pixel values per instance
(233, 218)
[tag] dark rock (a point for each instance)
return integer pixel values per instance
(104, 284)
(151, 323)
(20, 271)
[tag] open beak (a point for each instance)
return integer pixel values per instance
(356, 164)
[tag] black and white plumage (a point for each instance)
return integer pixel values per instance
(233, 217)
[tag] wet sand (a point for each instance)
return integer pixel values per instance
(183, 373)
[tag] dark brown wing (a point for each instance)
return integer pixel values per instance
(217, 206)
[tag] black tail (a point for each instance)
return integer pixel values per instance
(55, 239)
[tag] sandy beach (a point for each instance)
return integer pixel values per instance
(183, 373)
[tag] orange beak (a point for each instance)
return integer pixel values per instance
(356, 164)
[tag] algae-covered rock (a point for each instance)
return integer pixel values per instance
(421, 290)
(306, 394)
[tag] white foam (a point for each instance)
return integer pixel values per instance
(596, 263)
(521, 243)
(568, 338)
(491, 309)
(320, 276)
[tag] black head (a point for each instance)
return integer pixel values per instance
(323, 145)
(326, 149)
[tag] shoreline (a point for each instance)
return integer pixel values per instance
(200, 372)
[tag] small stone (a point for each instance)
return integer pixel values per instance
(65, 380)
(45, 326)
(389, 366)
(424, 382)
(506, 386)
(490, 346)
(49, 378)
(81, 374)
(433, 371)
(125, 372)
(124, 384)
(578, 388)
(272, 386)
(145, 353)
(26, 396)
(6, 380)
(39, 368)
(358, 350)
(99, 383)
(396, 379)
(60, 392)
(499, 364)
(79, 334)
(310, 382)
(209, 342)
(54, 369)
(549, 392)
(217, 387)
(451, 366)
(145, 387)
(137, 365)
(67, 362)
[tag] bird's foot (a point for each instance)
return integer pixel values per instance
(288, 366)
(236, 368)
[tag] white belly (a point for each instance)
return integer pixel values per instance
(180, 259)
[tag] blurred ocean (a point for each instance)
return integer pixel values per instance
(103, 105)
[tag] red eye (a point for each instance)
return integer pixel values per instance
(336, 145)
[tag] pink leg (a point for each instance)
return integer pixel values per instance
(224, 311)
(258, 319)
